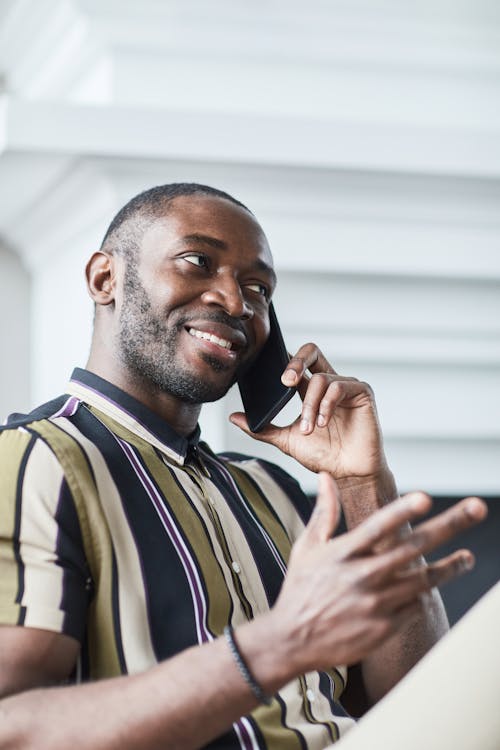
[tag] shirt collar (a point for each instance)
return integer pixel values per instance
(127, 411)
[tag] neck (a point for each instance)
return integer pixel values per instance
(181, 416)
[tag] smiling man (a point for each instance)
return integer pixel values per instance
(155, 595)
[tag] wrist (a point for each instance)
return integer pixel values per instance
(268, 651)
(361, 496)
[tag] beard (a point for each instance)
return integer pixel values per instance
(149, 347)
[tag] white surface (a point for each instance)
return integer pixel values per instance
(364, 135)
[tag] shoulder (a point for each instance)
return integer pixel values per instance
(45, 411)
(39, 436)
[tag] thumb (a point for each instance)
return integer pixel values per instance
(269, 434)
(326, 514)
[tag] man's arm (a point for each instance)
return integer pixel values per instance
(386, 665)
(338, 431)
(341, 598)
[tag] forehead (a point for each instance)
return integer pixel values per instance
(211, 217)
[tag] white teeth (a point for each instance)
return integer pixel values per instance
(210, 337)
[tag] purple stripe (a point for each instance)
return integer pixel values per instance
(262, 530)
(244, 737)
(188, 563)
(69, 408)
(243, 734)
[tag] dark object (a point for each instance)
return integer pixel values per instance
(262, 392)
(483, 540)
(245, 672)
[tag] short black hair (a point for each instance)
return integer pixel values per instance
(124, 234)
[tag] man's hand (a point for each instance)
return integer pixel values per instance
(338, 429)
(343, 597)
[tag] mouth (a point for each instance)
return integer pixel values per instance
(223, 343)
(217, 341)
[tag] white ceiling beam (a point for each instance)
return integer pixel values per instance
(159, 134)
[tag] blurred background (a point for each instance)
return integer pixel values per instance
(365, 136)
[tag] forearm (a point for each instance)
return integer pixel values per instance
(391, 661)
(183, 703)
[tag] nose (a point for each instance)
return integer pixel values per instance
(226, 293)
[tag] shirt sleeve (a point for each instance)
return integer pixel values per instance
(44, 577)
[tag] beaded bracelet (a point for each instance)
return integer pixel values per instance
(245, 672)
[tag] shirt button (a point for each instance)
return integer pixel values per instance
(310, 695)
(211, 501)
(236, 567)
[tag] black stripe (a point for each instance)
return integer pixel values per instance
(17, 528)
(325, 687)
(285, 481)
(75, 595)
(115, 606)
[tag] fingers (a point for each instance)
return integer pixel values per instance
(384, 523)
(429, 535)
(325, 393)
(326, 514)
(415, 581)
(309, 357)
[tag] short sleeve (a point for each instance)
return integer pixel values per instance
(44, 577)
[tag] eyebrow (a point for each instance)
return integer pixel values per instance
(206, 239)
(203, 239)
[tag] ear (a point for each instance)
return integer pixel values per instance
(101, 275)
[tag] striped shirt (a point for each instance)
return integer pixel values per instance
(141, 543)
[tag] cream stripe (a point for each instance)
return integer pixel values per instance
(139, 653)
(13, 445)
(281, 503)
(43, 580)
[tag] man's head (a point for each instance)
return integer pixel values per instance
(124, 234)
(182, 285)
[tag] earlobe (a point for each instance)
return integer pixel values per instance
(100, 273)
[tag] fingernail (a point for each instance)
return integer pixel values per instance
(289, 377)
(321, 420)
(468, 562)
(304, 425)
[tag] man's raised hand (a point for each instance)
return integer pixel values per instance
(343, 597)
(337, 430)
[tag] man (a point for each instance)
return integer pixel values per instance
(128, 547)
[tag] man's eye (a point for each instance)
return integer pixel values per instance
(259, 288)
(197, 260)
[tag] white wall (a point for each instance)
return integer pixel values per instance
(15, 338)
(364, 135)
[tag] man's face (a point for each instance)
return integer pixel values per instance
(194, 309)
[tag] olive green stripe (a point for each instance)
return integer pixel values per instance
(254, 497)
(103, 654)
(13, 446)
(270, 722)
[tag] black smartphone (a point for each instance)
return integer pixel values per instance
(262, 392)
